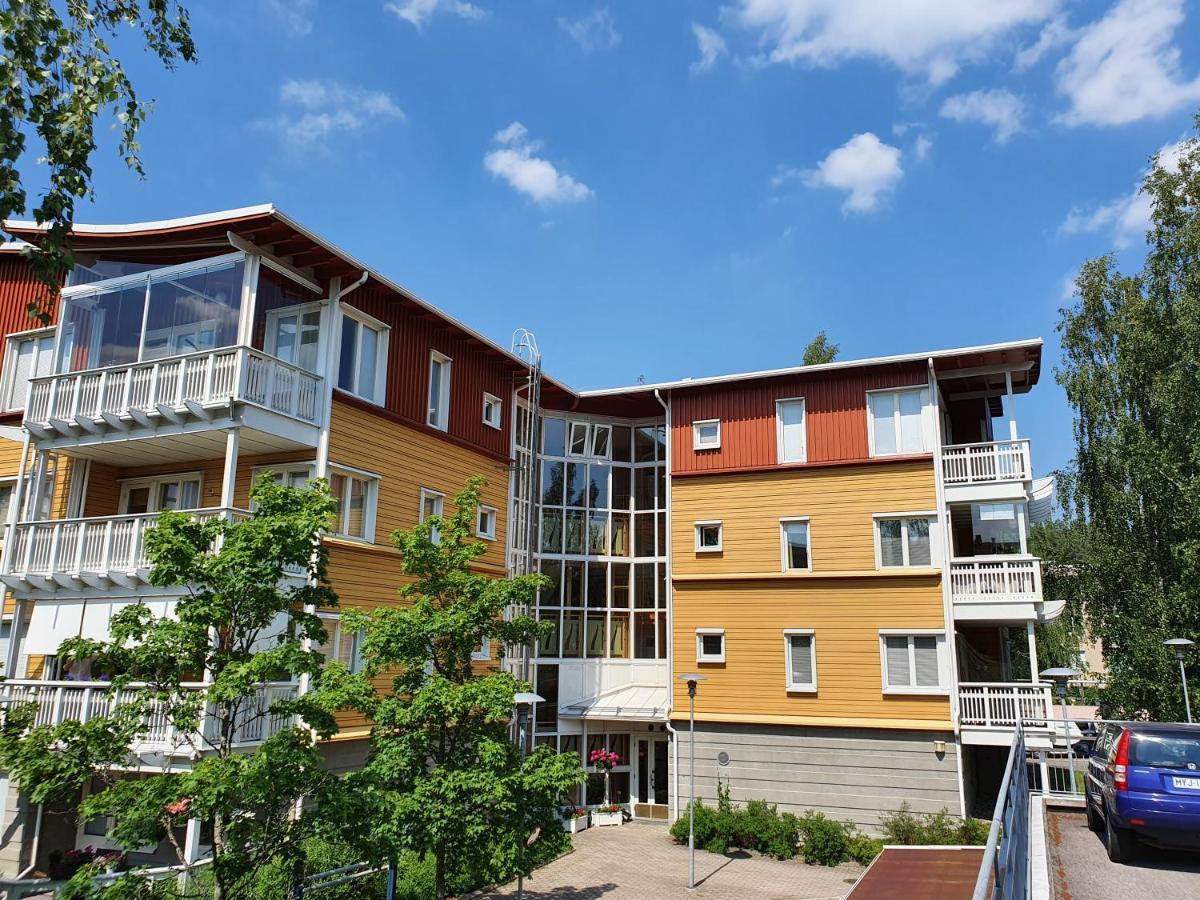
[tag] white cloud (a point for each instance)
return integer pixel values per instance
(1054, 35)
(1126, 218)
(922, 147)
(928, 38)
(1124, 66)
(317, 110)
(295, 15)
(595, 31)
(1001, 109)
(711, 46)
(515, 161)
(866, 168)
(419, 12)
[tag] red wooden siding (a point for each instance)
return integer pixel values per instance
(473, 370)
(835, 416)
(18, 288)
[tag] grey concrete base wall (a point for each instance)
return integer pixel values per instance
(850, 774)
(16, 830)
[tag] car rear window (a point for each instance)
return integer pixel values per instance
(1166, 751)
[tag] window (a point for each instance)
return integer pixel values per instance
(148, 495)
(710, 645)
(294, 335)
(485, 525)
(341, 644)
(912, 662)
(432, 504)
(896, 421)
(601, 440)
(708, 537)
(363, 358)
(577, 444)
(439, 391)
(800, 647)
(789, 428)
(492, 410)
(296, 476)
(356, 494)
(484, 653)
(794, 538)
(26, 356)
(706, 435)
(7, 488)
(906, 541)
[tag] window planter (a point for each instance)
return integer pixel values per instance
(602, 817)
(574, 822)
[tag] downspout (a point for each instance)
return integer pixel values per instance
(670, 622)
(947, 596)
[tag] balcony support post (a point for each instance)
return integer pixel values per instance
(14, 639)
(1009, 407)
(229, 475)
(1034, 668)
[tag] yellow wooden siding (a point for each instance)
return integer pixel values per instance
(846, 616)
(838, 501)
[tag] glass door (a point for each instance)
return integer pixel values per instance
(653, 777)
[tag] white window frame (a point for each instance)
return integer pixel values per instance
(484, 653)
(308, 468)
(943, 686)
(492, 402)
(703, 658)
(438, 416)
(927, 441)
(299, 310)
(435, 536)
(779, 430)
(697, 442)
(154, 483)
(370, 502)
(383, 332)
(480, 531)
(10, 363)
(333, 628)
(792, 686)
(585, 427)
(709, 523)
(935, 543)
(599, 428)
(783, 543)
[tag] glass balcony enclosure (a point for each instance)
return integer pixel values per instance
(989, 529)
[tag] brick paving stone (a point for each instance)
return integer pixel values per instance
(639, 861)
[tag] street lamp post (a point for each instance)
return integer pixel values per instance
(692, 679)
(524, 702)
(1060, 677)
(1180, 645)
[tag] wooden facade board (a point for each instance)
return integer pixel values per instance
(18, 288)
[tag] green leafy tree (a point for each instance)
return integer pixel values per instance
(1068, 575)
(820, 350)
(57, 76)
(444, 777)
(213, 674)
(1131, 371)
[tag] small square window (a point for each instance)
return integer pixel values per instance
(710, 645)
(706, 435)
(708, 537)
(486, 523)
(492, 410)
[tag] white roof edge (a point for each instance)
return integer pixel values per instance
(823, 367)
(160, 225)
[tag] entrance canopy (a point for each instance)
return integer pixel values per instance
(630, 703)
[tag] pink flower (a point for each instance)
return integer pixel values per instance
(182, 805)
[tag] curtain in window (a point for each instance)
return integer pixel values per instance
(801, 662)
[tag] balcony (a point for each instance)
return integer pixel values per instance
(74, 555)
(63, 701)
(992, 470)
(995, 589)
(988, 711)
(189, 398)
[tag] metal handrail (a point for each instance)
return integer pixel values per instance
(1006, 855)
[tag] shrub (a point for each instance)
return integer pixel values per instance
(864, 849)
(824, 841)
(906, 828)
(974, 831)
(705, 827)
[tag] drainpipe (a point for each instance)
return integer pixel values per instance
(670, 621)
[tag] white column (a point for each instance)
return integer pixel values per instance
(1033, 660)
(14, 641)
(1009, 406)
(14, 506)
(329, 371)
(229, 475)
(249, 290)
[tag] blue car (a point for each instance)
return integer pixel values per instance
(1143, 784)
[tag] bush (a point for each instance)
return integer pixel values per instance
(705, 828)
(864, 849)
(824, 841)
(905, 828)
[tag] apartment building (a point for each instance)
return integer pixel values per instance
(840, 550)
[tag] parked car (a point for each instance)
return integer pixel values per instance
(1143, 784)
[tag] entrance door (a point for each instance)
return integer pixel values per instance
(653, 777)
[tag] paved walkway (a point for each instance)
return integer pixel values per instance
(638, 861)
(1081, 870)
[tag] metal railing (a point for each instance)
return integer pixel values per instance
(1005, 871)
(175, 383)
(93, 545)
(1004, 704)
(988, 462)
(993, 580)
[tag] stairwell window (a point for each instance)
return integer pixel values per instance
(912, 662)
(801, 651)
(485, 526)
(26, 356)
(789, 431)
(363, 360)
(904, 541)
(439, 391)
(793, 533)
(706, 434)
(897, 422)
(356, 494)
(710, 645)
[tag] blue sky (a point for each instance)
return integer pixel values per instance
(664, 189)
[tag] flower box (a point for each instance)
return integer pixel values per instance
(575, 824)
(600, 818)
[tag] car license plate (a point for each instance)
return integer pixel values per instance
(1192, 784)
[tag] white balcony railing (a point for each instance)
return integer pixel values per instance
(996, 580)
(78, 547)
(987, 463)
(1001, 705)
(63, 701)
(170, 388)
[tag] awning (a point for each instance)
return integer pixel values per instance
(631, 702)
(53, 621)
